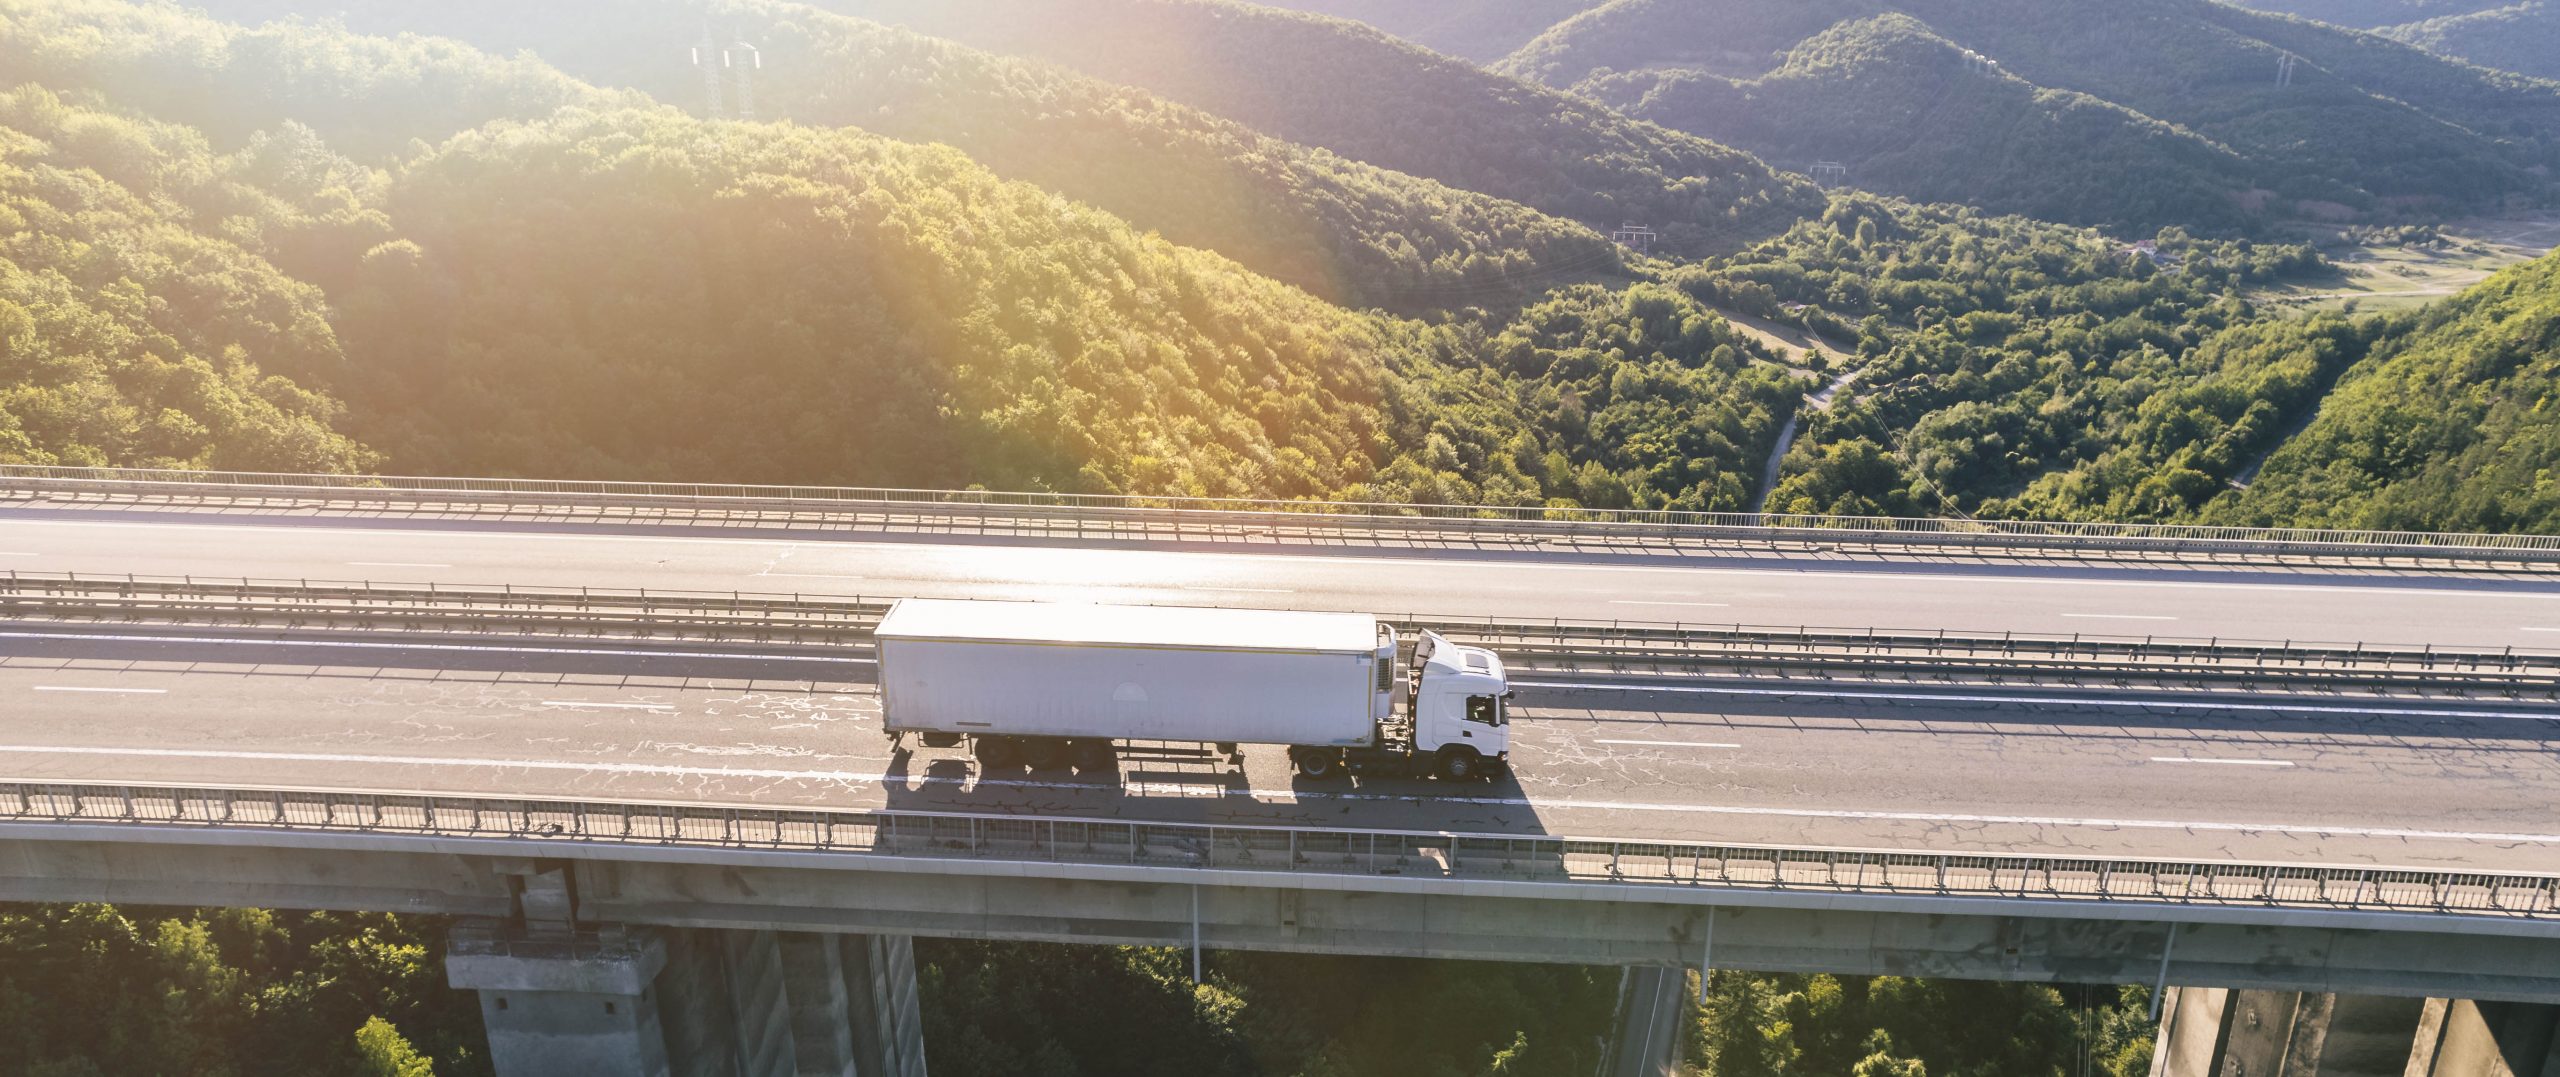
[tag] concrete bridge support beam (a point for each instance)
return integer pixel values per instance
(691, 1002)
(2218, 1032)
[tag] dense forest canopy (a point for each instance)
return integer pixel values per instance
(141, 321)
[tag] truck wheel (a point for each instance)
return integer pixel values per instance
(1460, 765)
(1091, 755)
(1044, 753)
(995, 753)
(1315, 764)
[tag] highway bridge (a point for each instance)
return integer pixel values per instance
(632, 729)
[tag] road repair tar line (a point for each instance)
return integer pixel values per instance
(1270, 796)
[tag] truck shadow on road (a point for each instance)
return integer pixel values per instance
(1152, 789)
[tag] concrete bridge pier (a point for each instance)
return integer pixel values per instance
(692, 1002)
(2219, 1032)
(566, 997)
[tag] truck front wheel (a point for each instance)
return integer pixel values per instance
(1460, 764)
(1315, 762)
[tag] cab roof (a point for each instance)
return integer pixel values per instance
(1174, 627)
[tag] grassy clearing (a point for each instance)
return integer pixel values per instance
(2385, 275)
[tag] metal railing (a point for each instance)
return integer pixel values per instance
(1307, 851)
(1085, 512)
(1540, 646)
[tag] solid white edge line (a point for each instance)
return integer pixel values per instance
(1287, 795)
(1659, 602)
(397, 564)
(2119, 617)
(2222, 762)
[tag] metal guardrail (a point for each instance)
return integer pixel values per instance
(1088, 514)
(1548, 646)
(1307, 851)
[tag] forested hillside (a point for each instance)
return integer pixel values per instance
(2523, 37)
(371, 97)
(92, 991)
(1995, 349)
(2364, 127)
(2370, 14)
(140, 320)
(1347, 231)
(1909, 111)
(1480, 30)
(2448, 424)
(1322, 82)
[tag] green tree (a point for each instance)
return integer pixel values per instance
(385, 1054)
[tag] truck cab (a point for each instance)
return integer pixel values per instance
(1460, 702)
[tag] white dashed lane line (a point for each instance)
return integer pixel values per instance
(102, 691)
(2222, 762)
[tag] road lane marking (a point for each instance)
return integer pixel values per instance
(1669, 743)
(614, 706)
(1655, 602)
(108, 691)
(807, 576)
(2068, 701)
(365, 645)
(2119, 617)
(1280, 795)
(398, 564)
(15, 554)
(2222, 762)
(2538, 630)
(1237, 590)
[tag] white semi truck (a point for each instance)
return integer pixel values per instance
(1049, 684)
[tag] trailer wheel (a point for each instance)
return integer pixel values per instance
(995, 753)
(1459, 764)
(1315, 763)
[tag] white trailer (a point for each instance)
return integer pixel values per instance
(1051, 684)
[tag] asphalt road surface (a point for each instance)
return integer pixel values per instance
(2028, 770)
(1965, 596)
(1653, 1018)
